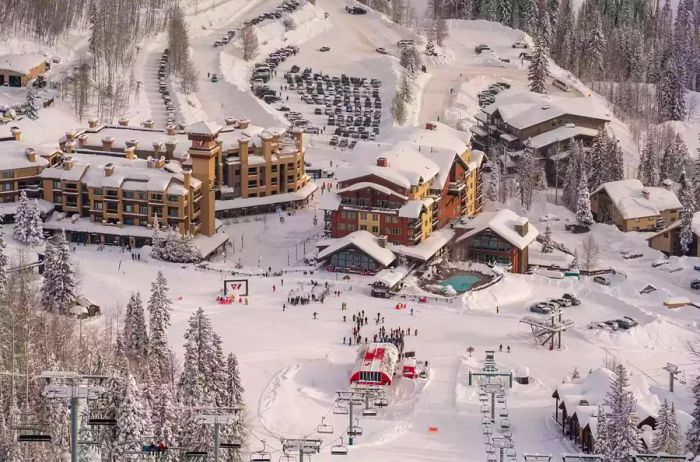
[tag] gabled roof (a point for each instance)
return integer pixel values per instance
(203, 128)
(562, 133)
(503, 223)
(375, 186)
(21, 63)
(695, 226)
(630, 201)
(363, 240)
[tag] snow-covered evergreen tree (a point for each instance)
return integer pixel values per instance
(617, 164)
(166, 419)
(573, 175)
(197, 384)
(35, 232)
(410, 59)
(583, 203)
(234, 387)
(159, 307)
(29, 228)
(675, 158)
(58, 288)
(538, 70)
(398, 109)
(135, 336)
(602, 437)
(9, 449)
(430, 48)
(667, 437)
(649, 166)
(156, 239)
(528, 172)
(175, 248)
(3, 267)
(596, 45)
(405, 89)
(133, 422)
(547, 244)
(623, 434)
(692, 439)
(598, 161)
(671, 90)
(687, 199)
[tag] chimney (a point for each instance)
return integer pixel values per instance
(170, 145)
(130, 153)
(92, 122)
(109, 169)
(68, 163)
(298, 135)
(171, 130)
(157, 148)
(123, 121)
(382, 240)
(17, 133)
(150, 162)
(667, 184)
(187, 178)
(243, 150)
(148, 123)
(82, 140)
(70, 135)
(231, 121)
(243, 123)
(267, 146)
(131, 143)
(70, 146)
(521, 226)
(646, 193)
(31, 154)
(160, 162)
(382, 162)
(107, 143)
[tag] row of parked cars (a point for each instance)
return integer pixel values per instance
(612, 325)
(488, 96)
(287, 6)
(226, 39)
(351, 104)
(555, 304)
(262, 73)
(163, 88)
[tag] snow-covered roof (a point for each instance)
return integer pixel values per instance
(524, 109)
(329, 201)
(377, 357)
(10, 208)
(412, 209)
(695, 226)
(203, 127)
(562, 133)
(20, 63)
(363, 240)
(391, 276)
(13, 156)
(375, 186)
(503, 223)
(240, 202)
(630, 198)
(440, 137)
(145, 138)
(427, 248)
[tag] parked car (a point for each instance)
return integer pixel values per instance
(214, 78)
(695, 284)
(574, 301)
(521, 45)
(603, 280)
(540, 308)
(658, 263)
(525, 56)
(324, 49)
(381, 50)
(481, 47)
(563, 86)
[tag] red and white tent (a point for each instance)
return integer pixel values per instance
(375, 365)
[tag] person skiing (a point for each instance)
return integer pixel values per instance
(344, 318)
(411, 311)
(284, 307)
(343, 340)
(500, 347)
(508, 348)
(315, 314)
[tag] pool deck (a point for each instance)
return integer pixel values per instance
(446, 273)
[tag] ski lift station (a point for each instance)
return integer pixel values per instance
(375, 365)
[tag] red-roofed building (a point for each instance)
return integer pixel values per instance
(375, 365)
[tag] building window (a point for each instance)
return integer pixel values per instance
(252, 184)
(363, 227)
(97, 192)
(173, 198)
(253, 171)
(375, 229)
(273, 168)
(375, 216)
(7, 186)
(56, 184)
(57, 199)
(128, 208)
(172, 211)
(157, 197)
(341, 226)
(363, 216)
(7, 173)
(98, 206)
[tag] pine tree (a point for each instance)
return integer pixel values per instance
(649, 167)
(3, 267)
(527, 175)
(667, 438)
(602, 437)
(405, 89)
(596, 45)
(538, 70)
(547, 244)
(133, 422)
(159, 307)
(135, 335)
(573, 174)
(22, 219)
(198, 381)
(234, 387)
(9, 450)
(671, 90)
(430, 48)
(617, 166)
(58, 288)
(166, 419)
(674, 159)
(692, 440)
(687, 199)
(583, 203)
(156, 239)
(598, 160)
(622, 426)
(410, 59)
(398, 109)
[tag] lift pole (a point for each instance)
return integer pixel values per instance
(672, 370)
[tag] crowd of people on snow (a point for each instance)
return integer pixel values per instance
(317, 292)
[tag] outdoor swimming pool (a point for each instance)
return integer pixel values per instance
(460, 282)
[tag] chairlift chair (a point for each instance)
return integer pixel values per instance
(339, 449)
(356, 430)
(34, 436)
(371, 412)
(261, 455)
(195, 455)
(503, 412)
(381, 402)
(100, 418)
(287, 458)
(230, 445)
(323, 427)
(340, 409)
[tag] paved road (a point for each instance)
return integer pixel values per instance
(151, 84)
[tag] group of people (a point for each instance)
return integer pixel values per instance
(359, 320)
(155, 448)
(394, 336)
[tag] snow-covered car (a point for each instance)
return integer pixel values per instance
(324, 49)
(520, 45)
(574, 300)
(284, 108)
(214, 78)
(603, 280)
(312, 130)
(540, 308)
(695, 284)
(381, 50)
(563, 302)
(548, 217)
(481, 47)
(632, 256)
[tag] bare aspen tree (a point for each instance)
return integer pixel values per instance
(249, 42)
(590, 252)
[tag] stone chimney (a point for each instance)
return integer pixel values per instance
(187, 178)
(667, 184)
(130, 153)
(382, 241)
(92, 122)
(171, 130)
(298, 135)
(243, 150)
(646, 193)
(521, 226)
(68, 163)
(243, 123)
(108, 143)
(160, 162)
(109, 169)
(17, 133)
(157, 148)
(231, 121)
(148, 123)
(70, 146)
(150, 162)
(31, 154)
(170, 145)
(131, 143)
(70, 135)
(82, 140)
(123, 122)
(267, 146)
(382, 162)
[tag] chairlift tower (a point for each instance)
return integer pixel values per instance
(216, 420)
(673, 371)
(77, 387)
(353, 398)
(302, 446)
